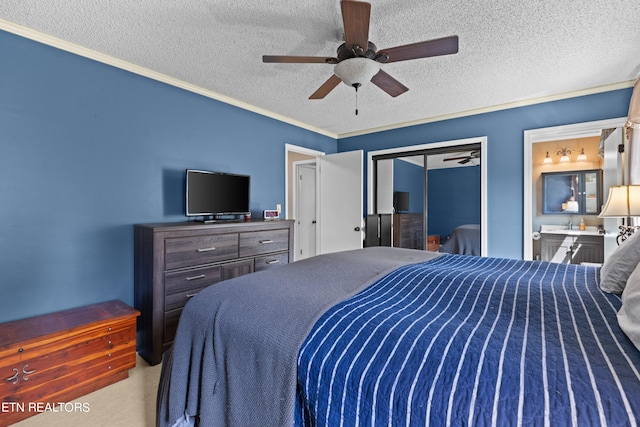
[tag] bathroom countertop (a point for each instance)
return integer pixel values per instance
(562, 229)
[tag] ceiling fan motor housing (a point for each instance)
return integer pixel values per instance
(355, 51)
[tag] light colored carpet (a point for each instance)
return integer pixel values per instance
(127, 403)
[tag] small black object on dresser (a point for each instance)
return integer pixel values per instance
(174, 261)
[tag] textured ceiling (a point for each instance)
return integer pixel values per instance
(509, 51)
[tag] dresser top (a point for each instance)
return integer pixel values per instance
(196, 225)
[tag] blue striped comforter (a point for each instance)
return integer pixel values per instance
(464, 340)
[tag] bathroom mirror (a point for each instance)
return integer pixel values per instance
(572, 193)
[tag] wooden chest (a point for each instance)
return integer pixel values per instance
(433, 243)
(55, 358)
(175, 261)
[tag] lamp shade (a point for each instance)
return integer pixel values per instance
(623, 201)
(356, 70)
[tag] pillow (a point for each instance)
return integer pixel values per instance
(629, 314)
(617, 269)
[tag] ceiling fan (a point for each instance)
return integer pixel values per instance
(358, 60)
(475, 154)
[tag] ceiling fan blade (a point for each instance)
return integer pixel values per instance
(436, 47)
(284, 59)
(465, 161)
(455, 158)
(388, 84)
(326, 87)
(355, 16)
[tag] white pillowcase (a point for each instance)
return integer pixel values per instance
(629, 314)
(617, 269)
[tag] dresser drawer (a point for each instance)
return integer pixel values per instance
(263, 242)
(269, 261)
(171, 319)
(184, 284)
(237, 268)
(194, 250)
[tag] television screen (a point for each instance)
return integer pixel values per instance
(215, 193)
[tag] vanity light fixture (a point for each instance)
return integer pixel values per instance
(564, 154)
(582, 157)
(547, 159)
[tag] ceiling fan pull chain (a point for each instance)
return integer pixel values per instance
(356, 85)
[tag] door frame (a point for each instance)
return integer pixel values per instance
(288, 164)
(482, 140)
(295, 205)
(554, 133)
(289, 187)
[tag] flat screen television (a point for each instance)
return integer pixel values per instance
(216, 193)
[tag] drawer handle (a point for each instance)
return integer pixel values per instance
(200, 276)
(200, 250)
(266, 241)
(16, 375)
(14, 378)
(273, 261)
(189, 296)
(25, 372)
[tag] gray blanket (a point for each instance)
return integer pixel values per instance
(234, 359)
(465, 240)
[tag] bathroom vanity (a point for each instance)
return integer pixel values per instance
(560, 244)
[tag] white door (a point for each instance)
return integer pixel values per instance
(340, 191)
(305, 210)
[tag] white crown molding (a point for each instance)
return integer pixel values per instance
(136, 69)
(507, 106)
(145, 72)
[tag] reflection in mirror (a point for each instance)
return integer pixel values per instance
(426, 208)
(573, 193)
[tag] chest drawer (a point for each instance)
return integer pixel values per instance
(183, 252)
(34, 368)
(263, 242)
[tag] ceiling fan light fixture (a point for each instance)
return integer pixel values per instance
(356, 71)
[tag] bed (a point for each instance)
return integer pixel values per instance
(464, 240)
(389, 336)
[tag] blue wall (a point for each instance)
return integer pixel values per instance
(505, 150)
(454, 199)
(87, 150)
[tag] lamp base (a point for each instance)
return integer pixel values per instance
(625, 232)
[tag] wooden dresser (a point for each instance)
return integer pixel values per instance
(408, 230)
(173, 262)
(55, 358)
